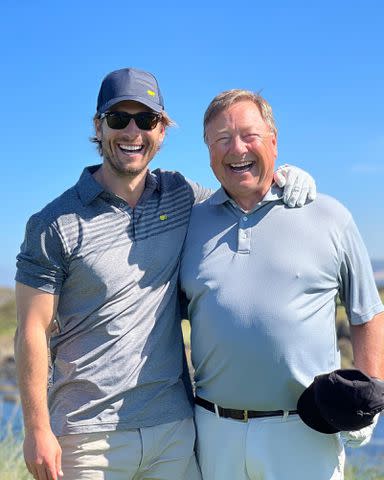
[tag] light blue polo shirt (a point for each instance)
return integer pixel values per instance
(262, 287)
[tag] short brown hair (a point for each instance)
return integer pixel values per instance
(166, 120)
(224, 100)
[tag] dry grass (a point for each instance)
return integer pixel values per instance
(12, 466)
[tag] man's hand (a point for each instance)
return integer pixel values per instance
(42, 454)
(360, 437)
(298, 185)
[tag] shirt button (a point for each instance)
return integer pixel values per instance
(244, 235)
(121, 205)
(245, 219)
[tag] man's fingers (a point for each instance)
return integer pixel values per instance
(298, 185)
(32, 470)
(302, 196)
(58, 464)
(312, 191)
(292, 189)
(288, 189)
(42, 473)
(279, 178)
(51, 471)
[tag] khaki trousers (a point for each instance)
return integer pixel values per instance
(163, 452)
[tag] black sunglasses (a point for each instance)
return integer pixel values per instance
(143, 120)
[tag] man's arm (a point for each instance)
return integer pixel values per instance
(359, 295)
(299, 187)
(368, 346)
(368, 352)
(35, 313)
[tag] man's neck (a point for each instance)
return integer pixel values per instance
(129, 188)
(249, 202)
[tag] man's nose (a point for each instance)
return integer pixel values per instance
(238, 146)
(132, 129)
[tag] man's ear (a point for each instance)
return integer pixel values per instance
(162, 133)
(274, 145)
(98, 128)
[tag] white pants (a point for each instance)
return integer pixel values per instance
(271, 448)
(163, 452)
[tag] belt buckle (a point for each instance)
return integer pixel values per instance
(245, 416)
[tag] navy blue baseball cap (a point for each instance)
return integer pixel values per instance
(342, 400)
(130, 84)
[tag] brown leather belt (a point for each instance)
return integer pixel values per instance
(242, 415)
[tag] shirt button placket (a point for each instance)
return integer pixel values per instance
(244, 237)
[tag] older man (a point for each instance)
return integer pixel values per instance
(261, 281)
(97, 274)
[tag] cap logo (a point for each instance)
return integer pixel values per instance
(150, 92)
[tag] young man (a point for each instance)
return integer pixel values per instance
(261, 281)
(97, 275)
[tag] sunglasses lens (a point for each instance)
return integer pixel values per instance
(118, 120)
(143, 120)
(146, 120)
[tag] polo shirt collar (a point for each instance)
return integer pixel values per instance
(152, 182)
(274, 194)
(89, 189)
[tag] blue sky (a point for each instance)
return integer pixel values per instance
(321, 67)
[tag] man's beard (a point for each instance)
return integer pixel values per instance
(121, 171)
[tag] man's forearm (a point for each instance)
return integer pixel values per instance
(31, 355)
(368, 346)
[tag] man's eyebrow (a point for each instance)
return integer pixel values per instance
(223, 130)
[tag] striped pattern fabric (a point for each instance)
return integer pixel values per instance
(117, 354)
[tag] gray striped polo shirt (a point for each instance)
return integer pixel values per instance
(117, 353)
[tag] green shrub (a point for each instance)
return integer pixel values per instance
(355, 473)
(8, 318)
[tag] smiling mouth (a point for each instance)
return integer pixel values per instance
(130, 149)
(241, 167)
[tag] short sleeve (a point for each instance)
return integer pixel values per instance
(358, 291)
(41, 262)
(199, 193)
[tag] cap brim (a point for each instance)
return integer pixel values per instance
(310, 414)
(145, 101)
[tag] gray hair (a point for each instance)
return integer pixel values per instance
(224, 100)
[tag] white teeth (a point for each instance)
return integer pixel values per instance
(130, 148)
(242, 164)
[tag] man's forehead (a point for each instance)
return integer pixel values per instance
(237, 116)
(128, 105)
